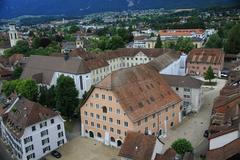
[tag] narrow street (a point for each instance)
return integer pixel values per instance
(194, 125)
(4, 155)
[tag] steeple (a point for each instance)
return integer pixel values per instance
(13, 34)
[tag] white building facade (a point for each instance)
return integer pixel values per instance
(36, 140)
(13, 35)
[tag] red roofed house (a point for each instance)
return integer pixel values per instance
(199, 59)
(224, 129)
(138, 146)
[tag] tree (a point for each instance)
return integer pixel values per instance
(66, 96)
(115, 42)
(181, 146)
(209, 74)
(9, 87)
(214, 41)
(20, 47)
(184, 44)
(158, 42)
(27, 88)
(232, 45)
(17, 72)
(47, 96)
(73, 29)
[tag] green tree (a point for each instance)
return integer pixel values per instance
(115, 42)
(47, 96)
(232, 45)
(66, 96)
(73, 29)
(158, 42)
(209, 74)
(27, 88)
(9, 87)
(184, 44)
(17, 72)
(181, 146)
(214, 41)
(20, 47)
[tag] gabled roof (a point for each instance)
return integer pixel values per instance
(141, 91)
(182, 81)
(164, 60)
(206, 55)
(138, 146)
(47, 65)
(225, 152)
(25, 113)
(131, 52)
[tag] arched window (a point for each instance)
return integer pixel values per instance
(112, 139)
(119, 143)
(99, 135)
(104, 108)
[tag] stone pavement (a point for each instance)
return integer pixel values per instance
(193, 126)
(81, 148)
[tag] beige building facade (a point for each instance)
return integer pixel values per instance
(111, 109)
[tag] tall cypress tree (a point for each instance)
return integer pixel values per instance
(158, 42)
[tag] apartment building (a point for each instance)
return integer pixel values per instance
(199, 59)
(189, 89)
(30, 130)
(144, 42)
(133, 99)
(174, 34)
(224, 128)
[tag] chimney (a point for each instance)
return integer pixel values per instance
(66, 56)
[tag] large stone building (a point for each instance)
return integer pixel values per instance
(199, 59)
(133, 99)
(29, 129)
(88, 69)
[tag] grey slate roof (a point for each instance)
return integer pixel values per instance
(164, 60)
(44, 67)
(182, 81)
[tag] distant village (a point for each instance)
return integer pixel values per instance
(83, 90)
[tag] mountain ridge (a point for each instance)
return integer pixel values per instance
(15, 8)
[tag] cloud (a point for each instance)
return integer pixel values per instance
(130, 3)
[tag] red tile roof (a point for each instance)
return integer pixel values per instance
(24, 114)
(225, 152)
(138, 146)
(180, 32)
(206, 55)
(141, 91)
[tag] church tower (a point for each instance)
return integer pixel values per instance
(79, 42)
(13, 35)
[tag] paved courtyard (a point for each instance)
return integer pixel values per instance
(193, 126)
(81, 148)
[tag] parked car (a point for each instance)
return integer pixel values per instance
(206, 133)
(56, 154)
